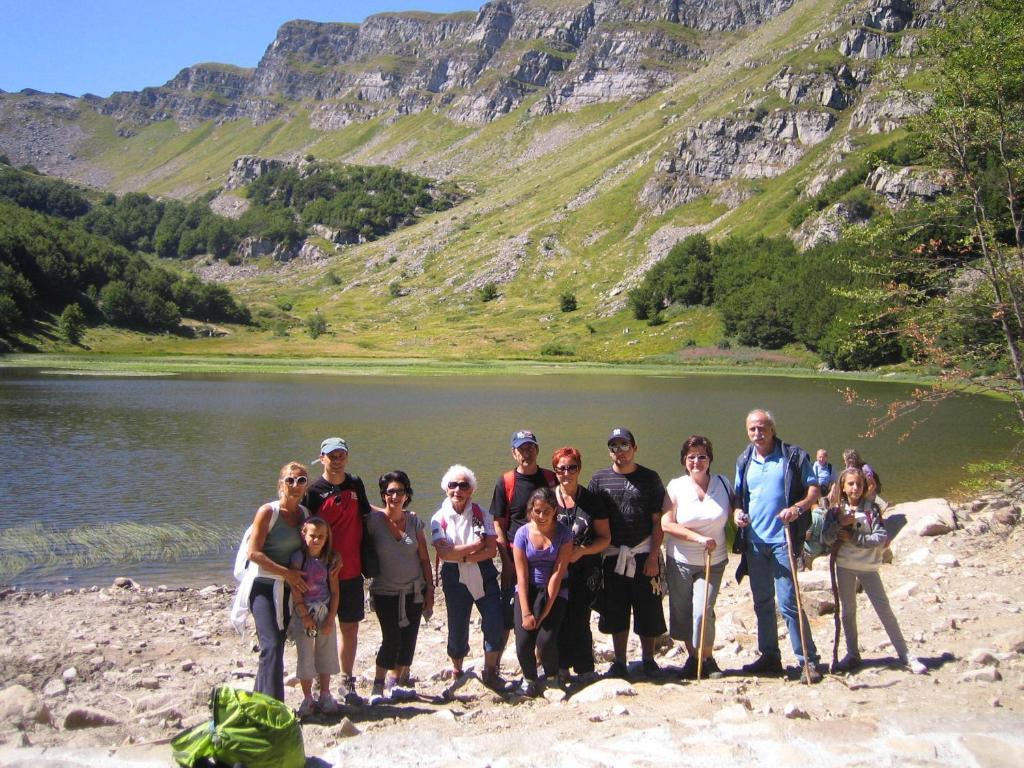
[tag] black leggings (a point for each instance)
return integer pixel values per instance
(397, 644)
(575, 640)
(543, 639)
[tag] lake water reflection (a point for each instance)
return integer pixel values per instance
(81, 451)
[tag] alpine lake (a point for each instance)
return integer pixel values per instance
(156, 477)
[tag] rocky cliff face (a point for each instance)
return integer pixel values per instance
(475, 67)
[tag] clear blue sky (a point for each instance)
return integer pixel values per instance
(101, 46)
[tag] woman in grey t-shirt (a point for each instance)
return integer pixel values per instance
(403, 591)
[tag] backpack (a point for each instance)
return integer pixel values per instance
(242, 555)
(509, 480)
(247, 728)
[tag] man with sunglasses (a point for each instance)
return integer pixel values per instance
(508, 508)
(634, 496)
(340, 499)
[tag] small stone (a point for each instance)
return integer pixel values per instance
(554, 695)
(618, 710)
(982, 675)
(794, 712)
(150, 683)
(604, 689)
(123, 582)
(947, 561)
(445, 714)
(20, 706)
(984, 657)
(1010, 516)
(54, 687)
(346, 728)
(88, 717)
(908, 589)
(995, 703)
(187, 665)
(210, 590)
(731, 715)
(69, 674)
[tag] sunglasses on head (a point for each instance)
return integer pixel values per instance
(462, 485)
(300, 480)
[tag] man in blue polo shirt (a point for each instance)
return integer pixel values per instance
(775, 487)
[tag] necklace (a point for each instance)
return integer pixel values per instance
(396, 530)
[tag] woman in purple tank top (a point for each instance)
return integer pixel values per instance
(541, 551)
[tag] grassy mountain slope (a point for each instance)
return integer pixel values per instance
(553, 208)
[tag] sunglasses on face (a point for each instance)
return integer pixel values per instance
(292, 481)
(462, 485)
(567, 468)
(395, 492)
(619, 447)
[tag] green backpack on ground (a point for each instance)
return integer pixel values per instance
(248, 728)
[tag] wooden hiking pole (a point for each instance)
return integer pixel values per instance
(704, 616)
(835, 598)
(799, 602)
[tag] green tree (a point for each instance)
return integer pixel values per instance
(72, 323)
(316, 325)
(975, 130)
(567, 301)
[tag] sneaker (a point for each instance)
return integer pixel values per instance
(915, 665)
(618, 670)
(711, 670)
(328, 704)
(848, 663)
(348, 691)
(528, 689)
(377, 694)
(651, 669)
(689, 670)
(810, 675)
(769, 666)
(306, 709)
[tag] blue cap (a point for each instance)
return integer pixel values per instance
(522, 437)
(333, 444)
(621, 433)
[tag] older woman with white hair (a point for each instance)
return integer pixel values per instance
(463, 536)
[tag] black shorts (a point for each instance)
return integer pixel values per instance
(351, 601)
(623, 595)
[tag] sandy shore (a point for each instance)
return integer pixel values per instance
(107, 676)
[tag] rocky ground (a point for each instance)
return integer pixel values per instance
(107, 676)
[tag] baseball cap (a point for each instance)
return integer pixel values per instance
(621, 433)
(522, 437)
(333, 444)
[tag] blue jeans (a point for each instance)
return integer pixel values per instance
(459, 605)
(770, 576)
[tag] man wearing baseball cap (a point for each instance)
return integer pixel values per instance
(508, 508)
(633, 495)
(340, 499)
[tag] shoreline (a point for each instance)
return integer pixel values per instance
(124, 668)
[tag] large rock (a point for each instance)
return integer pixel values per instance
(603, 690)
(88, 717)
(20, 707)
(928, 517)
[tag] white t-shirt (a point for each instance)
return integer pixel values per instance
(705, 516)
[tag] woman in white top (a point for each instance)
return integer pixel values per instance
(697, 507)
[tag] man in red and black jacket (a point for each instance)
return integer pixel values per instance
(508, 508)
(340, 499)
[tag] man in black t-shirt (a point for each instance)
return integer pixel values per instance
(508, 508)
(633, 495)
(340, 499)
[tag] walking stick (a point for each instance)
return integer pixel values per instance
(704, 616)
(799, 601)
(835, 598)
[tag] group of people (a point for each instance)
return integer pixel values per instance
(564, 549)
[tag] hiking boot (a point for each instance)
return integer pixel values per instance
(711, 670)
(306, 709)
(328, 704)
(651, 669)
(689, 670)
(377, 693)
(491, 679)
(618, 670)
(403, 693)
(348, 692)
(769, 666)
(810, 675)
(848, 663)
